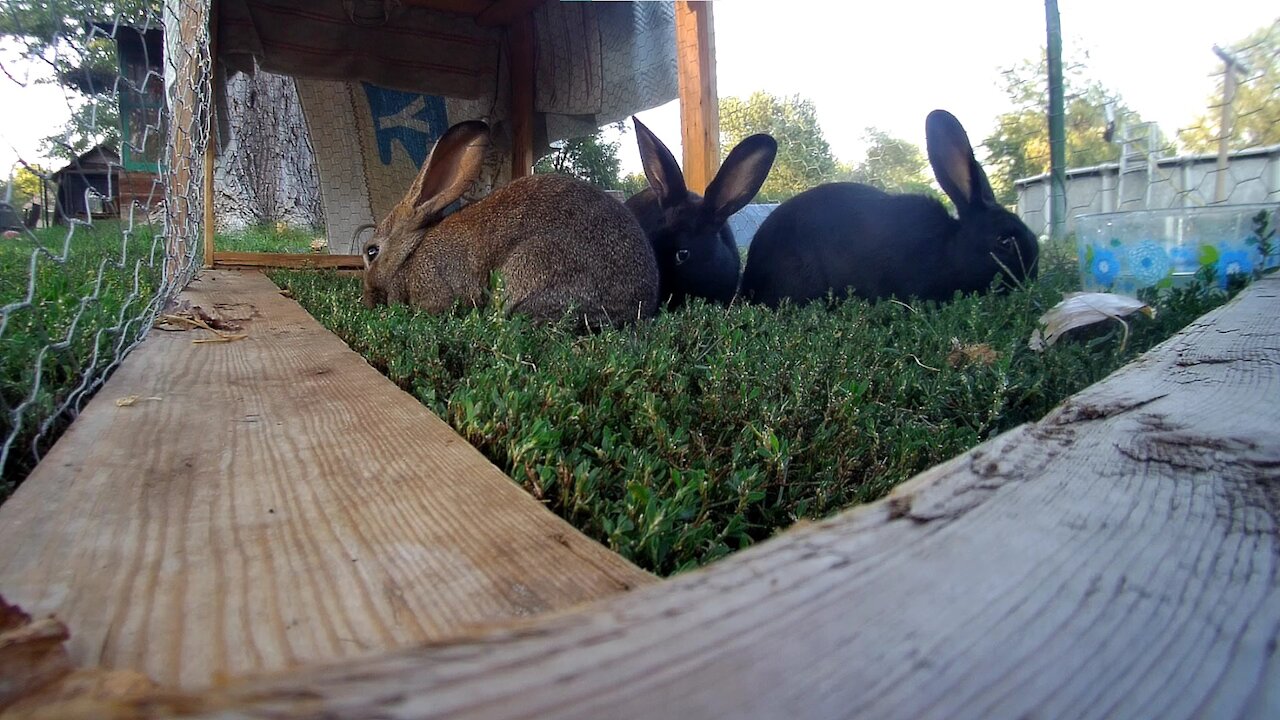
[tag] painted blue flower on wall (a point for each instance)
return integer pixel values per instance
(414, 120)
(1104, 266)
(1232, 262)
(1148, 263)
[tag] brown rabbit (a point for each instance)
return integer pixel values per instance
(558, 243)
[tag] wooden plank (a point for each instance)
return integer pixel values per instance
(699, 101)
(520, 47)
(286, 260)
(1119, 558)
(274, 501)
(211, 147)
(470, 8)
(506, 12)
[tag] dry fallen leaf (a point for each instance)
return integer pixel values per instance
(971, 354)
(1084, 308)
(130, 400)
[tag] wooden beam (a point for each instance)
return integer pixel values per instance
(506, 12)
(211, 144)
(469, 8)
(235, 508)
(699, 102)
(286, 260)
(1115, 559)
(520, 48)
(191, 86)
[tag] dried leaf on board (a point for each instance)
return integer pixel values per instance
(1085, 308)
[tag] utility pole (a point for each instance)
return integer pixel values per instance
(1057, 125)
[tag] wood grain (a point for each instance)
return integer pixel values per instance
(699, 101)
(271, 502)
(286, 260)
(1117, 559)
(522, 51)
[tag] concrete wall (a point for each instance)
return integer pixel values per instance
(1252, 176)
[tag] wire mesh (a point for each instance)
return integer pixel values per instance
(118, 234)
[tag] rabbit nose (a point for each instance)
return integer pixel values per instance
(681, 256)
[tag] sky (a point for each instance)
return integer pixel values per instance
(884, 64)
(887, 64)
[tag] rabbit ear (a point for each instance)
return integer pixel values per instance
(741, 176)
(659, 166)
(957, 170)
(453, 166)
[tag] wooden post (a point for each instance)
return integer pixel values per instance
(699, 103)
(211, 146)
(183, 24)
(1230, 67)
(521, 50)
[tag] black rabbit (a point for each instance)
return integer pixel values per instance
(848, 237)
(695, 249)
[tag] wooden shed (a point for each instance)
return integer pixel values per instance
(88, 187)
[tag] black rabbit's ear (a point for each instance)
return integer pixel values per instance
(957, 170)
(659, 167)
(453, 166)
(741, 176)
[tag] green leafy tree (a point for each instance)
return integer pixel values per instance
(1256, 106)
(57, 32)
(633, 183)
(892, 164)
(1019, 147)
(804, 157)
(590, 158)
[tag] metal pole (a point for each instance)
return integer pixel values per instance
(1057, 125)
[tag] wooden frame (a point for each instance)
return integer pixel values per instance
(695, 52)
(1114, 559)
(699, 102)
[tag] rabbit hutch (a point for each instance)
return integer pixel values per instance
(271, 528)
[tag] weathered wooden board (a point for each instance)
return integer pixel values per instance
(699, 100)
(275, 501)
(1116, 560)
(286, 260)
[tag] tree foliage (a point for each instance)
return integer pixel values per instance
(82, 58)
(25, 183)
(804, 157)
(1256, 106)
(1019, 146)
(590, 158)
(892, 164)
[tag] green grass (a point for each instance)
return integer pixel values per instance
(266, 239)
(680, 440)
(84, 312)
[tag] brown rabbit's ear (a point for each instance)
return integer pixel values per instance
(659, 167)
(453, 166)
(954, 164)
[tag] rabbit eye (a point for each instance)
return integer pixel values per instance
(681, 256)
(371, 252)
(1006, 241)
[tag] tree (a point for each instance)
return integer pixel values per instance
(1256, 107)
(83, 59)
(804, 157)
(892, 164)
(1019, 147)
(589, 158)
(633, 183)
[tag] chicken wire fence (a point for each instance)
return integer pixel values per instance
(99, 240)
